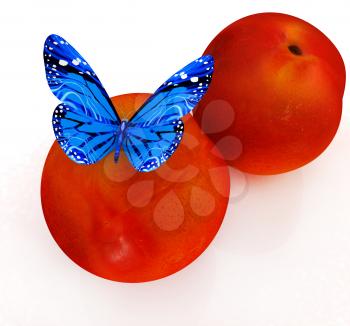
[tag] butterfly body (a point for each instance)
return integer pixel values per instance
(87, 126)
(121, 135)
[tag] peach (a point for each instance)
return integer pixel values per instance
(132, 226)
(275, 101)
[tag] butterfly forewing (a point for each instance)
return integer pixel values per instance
(178, 95)
(86, 122)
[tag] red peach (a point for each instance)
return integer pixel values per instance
(131, 226)
(275, 101)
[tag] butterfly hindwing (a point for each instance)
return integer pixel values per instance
(156, 129)
(85, 124)
(84, 139)
(149, 146)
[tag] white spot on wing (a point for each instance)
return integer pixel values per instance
(63, 62)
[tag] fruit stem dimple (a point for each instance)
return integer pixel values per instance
(295, 49)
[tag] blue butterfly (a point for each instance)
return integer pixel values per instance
(87, 126)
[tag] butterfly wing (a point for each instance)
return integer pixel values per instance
(156, 129)
(84, 139)
(85, 124)
(179, 94)
(148, 147)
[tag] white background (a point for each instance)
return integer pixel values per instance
(282, 256)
